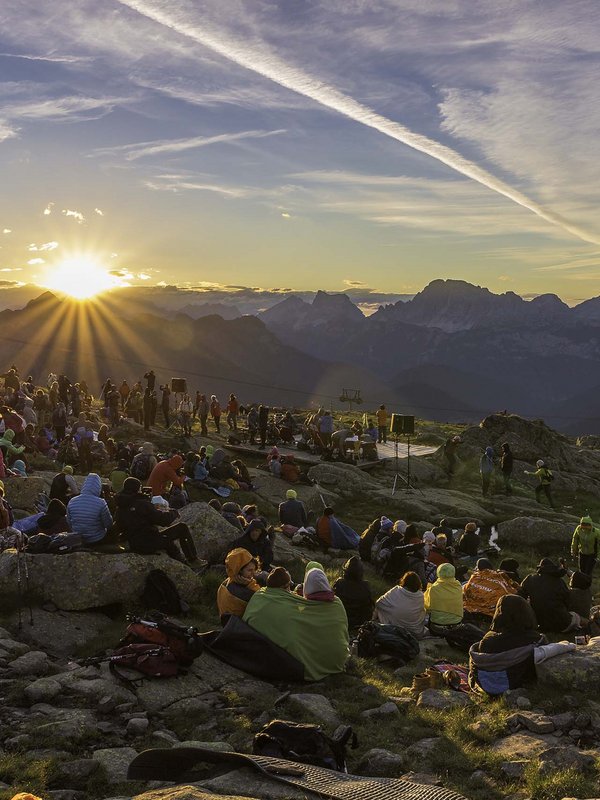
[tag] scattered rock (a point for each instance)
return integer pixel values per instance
(580, 667)
(536, 723)
(533, 531)
(381, 763)
(514, 769)
(212, 533)
(115, 762)
(42, 690)
(219, 747)
(318, 706)
(137, 727)
(523, 745)
(75, 774)
(523, 703)
(62, 632)
(384, 710)
(33, 663)
(424, 778)
(563, 721)
(555, 758)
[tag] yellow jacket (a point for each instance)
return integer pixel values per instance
(444, 601)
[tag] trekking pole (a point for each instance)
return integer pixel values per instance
(19, 588)
(27, 592)
(322, 500)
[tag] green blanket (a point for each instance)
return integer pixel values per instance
(314, 632)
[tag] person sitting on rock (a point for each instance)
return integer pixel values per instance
(439, 552)
(290, 471)
(317, 587)
(444, 599)
(221, 468)
(313, 632)
(511, 567)
(166, 473)
(118, 476)
(279, 578)
(292, 513)
(257, 541)
(504, 658)
(580, 594)
(404, 605)
(63, 486)
(354, 592)
(232, 512)
(89, 515)
(235, 592)
(584, 545)
(334, 533)
(150, 528)
(549, 597)
(54, 519)
(469, 542)
(485, 587)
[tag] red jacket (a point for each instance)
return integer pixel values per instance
(165, 472)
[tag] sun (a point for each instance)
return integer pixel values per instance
(81, 278)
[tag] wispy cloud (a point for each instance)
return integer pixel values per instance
(259, 60)
(99, 212)
(45, 246)
(48, 209)
(143, 149)
(56, 59)
(7, 230)
(33, 261)
(76, 215)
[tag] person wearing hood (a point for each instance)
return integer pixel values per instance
(19, 469)
(317, 587)
(166, 473)
(6, 443)
(354, 592)
(391, 534)
(29, 414)
(580, 594)
(504, 658)
(444, 598)
(584, 545)
(486, 469)
(150, 528)
(485, 587)
(233, 514)
(144, 462)
(235, 592)
(118, 476)
(54, 519)
(257, 542)
(403, 605)
(221, 467)
(292, 512)
(549, 597)
(469, 542)
(88, 513)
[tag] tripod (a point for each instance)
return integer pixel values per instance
(408, 487)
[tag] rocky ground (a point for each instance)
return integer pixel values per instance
(69, 731)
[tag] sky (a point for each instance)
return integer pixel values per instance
(361, 145)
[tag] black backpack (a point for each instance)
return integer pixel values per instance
(305, 743)
(160, 594)
(375, 638)
(463, 636)
(140, 467)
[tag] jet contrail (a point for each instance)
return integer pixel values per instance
(278, 71)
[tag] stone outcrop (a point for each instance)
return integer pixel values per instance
(212, 533)
(82, 580)
(580, 667)
(534, 531)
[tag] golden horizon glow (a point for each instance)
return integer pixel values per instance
(80, 277)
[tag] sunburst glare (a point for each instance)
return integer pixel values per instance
(81, 277)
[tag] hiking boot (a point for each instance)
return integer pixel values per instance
(198, 565)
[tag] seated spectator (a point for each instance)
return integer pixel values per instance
(549, 597)
(279, 578)
(144, 462)
(404, 605)
(150, 528)
(354, 592)
(54, 519)
(317, 587)
(439, 552)
(580, 594)
(118, 476)
(406, 558)
(292, 512)
(469, 542)
(485, 587)
(257, 542)
(311, 565)
(250, 512)
(290, 471)
(19, 469)
(221, 468)
(166, 473)
(444, 599)
(428, 540)
(6, 443)
(178, 498)
(235, 592)
(313, 632)
(243, 476)
(88, 514)
(511, 567)
(504, 658)
(63, 486)
(233, 514)
(275, 466)
(334, 533)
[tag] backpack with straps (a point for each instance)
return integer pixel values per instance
(160, 594)
(184, 643)
(151, 660)
(375, 638)
(305, 743)
(140, 466)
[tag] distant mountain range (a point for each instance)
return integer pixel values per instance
(454, 352)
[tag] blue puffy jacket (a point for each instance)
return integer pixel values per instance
(88, 513)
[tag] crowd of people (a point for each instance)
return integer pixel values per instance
(442, 581)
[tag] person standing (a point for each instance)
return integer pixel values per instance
(233, 408)
(584, 545)
(202, 409)
(506, 466)
(486, 469)
(186, 409)
(382, 420)
(252, 420)
(165, 404)
(215, 412)
(150, 379)
(263, 424)
(545, 478)
(124, 393)
(147, 407)
(451, 454)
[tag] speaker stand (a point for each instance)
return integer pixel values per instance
(408, 487)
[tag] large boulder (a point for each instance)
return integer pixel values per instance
(61, 632)
(211, 532)
(22, 493)
(342, 479)
(79, 581)
(534, 531)
(273, 490)
(580, 667)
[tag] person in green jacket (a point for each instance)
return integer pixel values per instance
(545, 478)
(6, 442)
(585, 544)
